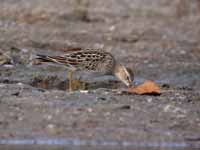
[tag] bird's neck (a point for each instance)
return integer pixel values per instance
(116, 69)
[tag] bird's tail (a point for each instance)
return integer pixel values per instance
(52, 59)
(44, 58)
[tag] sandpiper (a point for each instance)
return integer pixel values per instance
(92, 61)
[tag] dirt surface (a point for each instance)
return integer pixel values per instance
(146, 36)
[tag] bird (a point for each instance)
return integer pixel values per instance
(90, 60)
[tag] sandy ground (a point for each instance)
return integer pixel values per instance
(147, 37)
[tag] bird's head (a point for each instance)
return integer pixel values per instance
(123, 74)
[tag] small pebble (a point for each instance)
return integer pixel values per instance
(84, 91)
(101, 99)
(15, 94)
(19, 83)
(124, 107)
(149, 100)
(90, 110)
(48, 117)
(50, 126)
(20, 118)
(2, 85)
(8, 66)
(112, 28)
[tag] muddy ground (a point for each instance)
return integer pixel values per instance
(146, 36)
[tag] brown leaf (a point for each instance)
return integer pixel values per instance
(147, 88)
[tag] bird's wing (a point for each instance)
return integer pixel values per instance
(58, 60)
(85, 60)
(81, 60)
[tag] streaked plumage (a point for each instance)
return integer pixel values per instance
(91, 60)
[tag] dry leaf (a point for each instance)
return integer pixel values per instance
(148, 88)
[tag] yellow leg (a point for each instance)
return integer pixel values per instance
(70, 79)
(81, 84)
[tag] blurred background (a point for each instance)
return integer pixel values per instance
(157, 39)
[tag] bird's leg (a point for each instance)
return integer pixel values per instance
(82, 84)
(70, 79)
